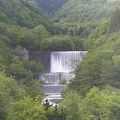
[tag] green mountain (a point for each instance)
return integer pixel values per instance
(94, 94)
(22, 12)
(51, 6)
(23, 23)
(77, 11)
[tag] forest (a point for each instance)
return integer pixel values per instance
(73, 25)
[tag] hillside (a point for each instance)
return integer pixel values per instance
(23, 23)
(81, 11)
(101, 66)
(51, 6)
(21, 12)
(80, 25)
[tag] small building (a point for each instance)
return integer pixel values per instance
(21, 52)
(25, 54)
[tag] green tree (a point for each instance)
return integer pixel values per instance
(70, 106)
(96, 105)
(26, 109)
(9, 91)
(18, 70)
(114, 23)
(101, 105)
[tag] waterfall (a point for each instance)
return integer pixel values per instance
(62, 65)
(65, 62)
(53, 89)
(50, 78)
(54, 78)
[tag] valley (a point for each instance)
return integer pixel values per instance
(40, 42)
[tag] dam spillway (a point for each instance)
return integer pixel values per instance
(65, 62)
(62, 66)
(55, 78)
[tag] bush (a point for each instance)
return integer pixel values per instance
(26, 109)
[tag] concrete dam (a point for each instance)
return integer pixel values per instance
(59, 67)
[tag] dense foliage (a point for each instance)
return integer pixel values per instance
(22, 13)
(94, 93)
(27, 109)
(51, 6)
(101, 65)
(96, 105)
(77, 11)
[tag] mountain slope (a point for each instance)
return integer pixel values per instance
(21, 12)
(51, 6)
(86, 10)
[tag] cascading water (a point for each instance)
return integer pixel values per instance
(54, 78)
(62, 65)
(53, 89)
(64, 62)
(50, 78)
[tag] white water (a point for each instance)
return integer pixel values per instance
(53, 89)
(61, 67)
(50, 78)
(54, 78)
(65, 62)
